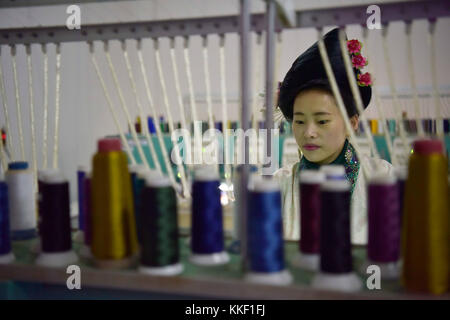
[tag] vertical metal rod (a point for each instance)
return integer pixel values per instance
(270, 63)
(245, 99)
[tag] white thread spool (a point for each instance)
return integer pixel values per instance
(333, 172)
(155, 179)
(22, 201)
(55, 259)
(208, 173)
(7, 258)
(238, 201)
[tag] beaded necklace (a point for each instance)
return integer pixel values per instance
(347, 158)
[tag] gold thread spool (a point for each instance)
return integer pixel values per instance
(374, 126)
(426, 235)
(114, 239)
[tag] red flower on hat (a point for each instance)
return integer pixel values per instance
(354, 46)
(359, 61)
(364, 80)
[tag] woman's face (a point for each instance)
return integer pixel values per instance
(318, 126)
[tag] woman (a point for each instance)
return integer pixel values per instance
(306, 100)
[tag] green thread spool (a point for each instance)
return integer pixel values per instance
(160, 251)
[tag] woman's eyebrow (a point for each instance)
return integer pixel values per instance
(319, 113)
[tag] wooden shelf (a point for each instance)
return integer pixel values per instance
(197, 282)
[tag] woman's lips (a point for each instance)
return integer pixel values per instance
(310, 147)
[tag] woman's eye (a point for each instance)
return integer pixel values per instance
(299, 122)
(324, 121)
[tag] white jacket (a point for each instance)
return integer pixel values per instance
(289, 185)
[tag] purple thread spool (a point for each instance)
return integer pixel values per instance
(383, 247)
(55, 221)
(336, 269)
(309, 244)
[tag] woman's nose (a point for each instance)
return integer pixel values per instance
(310, 131)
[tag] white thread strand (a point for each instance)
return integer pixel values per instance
(207, 83)
(125, 108)
(144, 123)
(279, 43)
(257, 83)
(437, 103)
(33, 133)
(223, 90)
(197, 129)
(340, 102)
(19, 111)
(169, 113)
(378, 105)
(45, 129)
(394, 92)
(5, 109)
(111, 107)
(257, 89)
(356, 94)
(208, 90)
(177, 84)
(57, 92)
(158, 129)
(412, 77)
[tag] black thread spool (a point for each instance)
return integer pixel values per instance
(54, 212)
(336, 269)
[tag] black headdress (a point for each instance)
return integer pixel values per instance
(308, 71)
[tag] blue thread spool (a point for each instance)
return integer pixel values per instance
(308, 256)
(151, 125)
(218, 126)
(55, 230)
(207, 243)
(81, 173)
(336, 269)
(85, 250)
(265, 234)
(446, 126)
(6, 256)
(22, 204)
